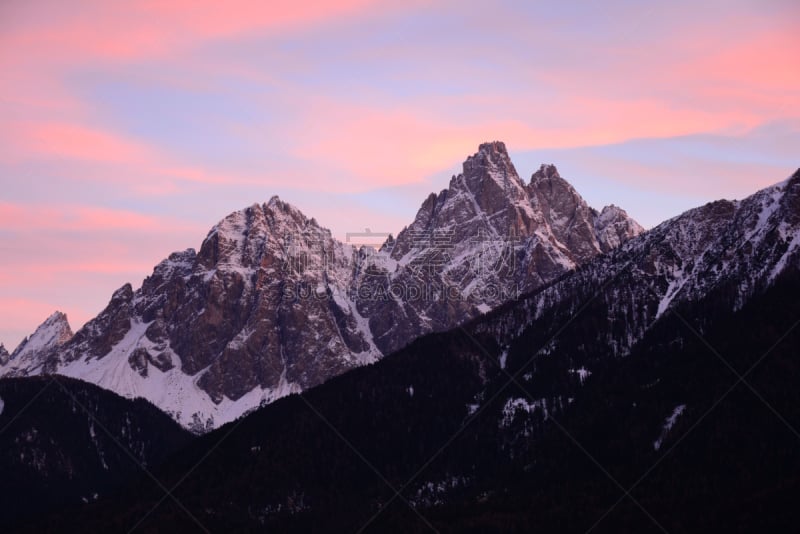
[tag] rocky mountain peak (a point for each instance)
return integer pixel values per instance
(477, 202)
(177, 261)
(53, 333)
(489, 155)
(491, 167)
(123, 294)
(496, 147)
(57, 317)
(4, 355)
(572, 221)
(276, 205)
(613, 226)
(555, 197)
(548, 183)
(547, 171)
(240, 241)
(490, 199)
(55, 330)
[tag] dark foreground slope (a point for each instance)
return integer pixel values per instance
(64, 443)
(330, 461)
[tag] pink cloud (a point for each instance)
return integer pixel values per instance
(375, 147)
(125, 31)
(66, 218)
(418, 136)
(691, 176)
(132, 163)
(760, 72)
(418, 139)
(72, 257)
(70, 141)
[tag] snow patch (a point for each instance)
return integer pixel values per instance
(792, 250)
(582, 373)
(668, 424)
(516, 405)
(435, 493)
(678, 281)
(100, 453)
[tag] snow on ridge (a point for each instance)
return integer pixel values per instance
(28, 358)
(55, 330)
(684, 258)
(792, 250)
(668, 424)
(515, 405)
(769, 203)
(582, 372)
(679, 279)
(503, 359)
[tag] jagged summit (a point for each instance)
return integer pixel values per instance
(55, 330)
(547, 171)
(490, 199)
(493, 147)
(489, 173)
(57, 317)
(34, 350)
(4, 355)
(492, 160)
(613, 227)
(547, 182)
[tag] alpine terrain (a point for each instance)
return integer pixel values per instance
(651, 389)
(272, 304)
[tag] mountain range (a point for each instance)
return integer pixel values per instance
(272, 304)
(628, 381)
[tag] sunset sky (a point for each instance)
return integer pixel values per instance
(127, 129)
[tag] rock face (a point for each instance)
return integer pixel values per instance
(272, 304)
(4, 355)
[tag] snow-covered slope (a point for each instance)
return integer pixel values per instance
(271, 304)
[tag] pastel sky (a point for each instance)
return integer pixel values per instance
(127, 129)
